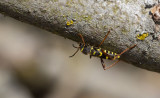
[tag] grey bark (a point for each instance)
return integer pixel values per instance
(93, 18)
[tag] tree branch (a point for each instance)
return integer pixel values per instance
(93, 18)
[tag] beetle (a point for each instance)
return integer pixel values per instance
(99, 52)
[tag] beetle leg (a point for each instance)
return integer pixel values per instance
(103, 65)
(111, 65)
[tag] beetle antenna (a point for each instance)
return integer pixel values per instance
(82, 38)
(75, 52)
(74, 46)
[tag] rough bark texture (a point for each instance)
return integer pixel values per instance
(93, 18)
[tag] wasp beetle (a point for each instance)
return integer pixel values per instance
(98, 52)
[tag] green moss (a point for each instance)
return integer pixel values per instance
(124, 31)
(126, 1)
(115, 8)
(23, 0)
(87, 18)
(143, 10)
(106, 26)
(53, 11)
(55, 0)
(80, 3)
(69, 3)
(110, 2)
(80, 17)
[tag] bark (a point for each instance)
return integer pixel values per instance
(93, 18)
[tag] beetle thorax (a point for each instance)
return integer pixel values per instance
(84, 48)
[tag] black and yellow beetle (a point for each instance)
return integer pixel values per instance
(98, 52)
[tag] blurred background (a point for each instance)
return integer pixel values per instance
(35, 64)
